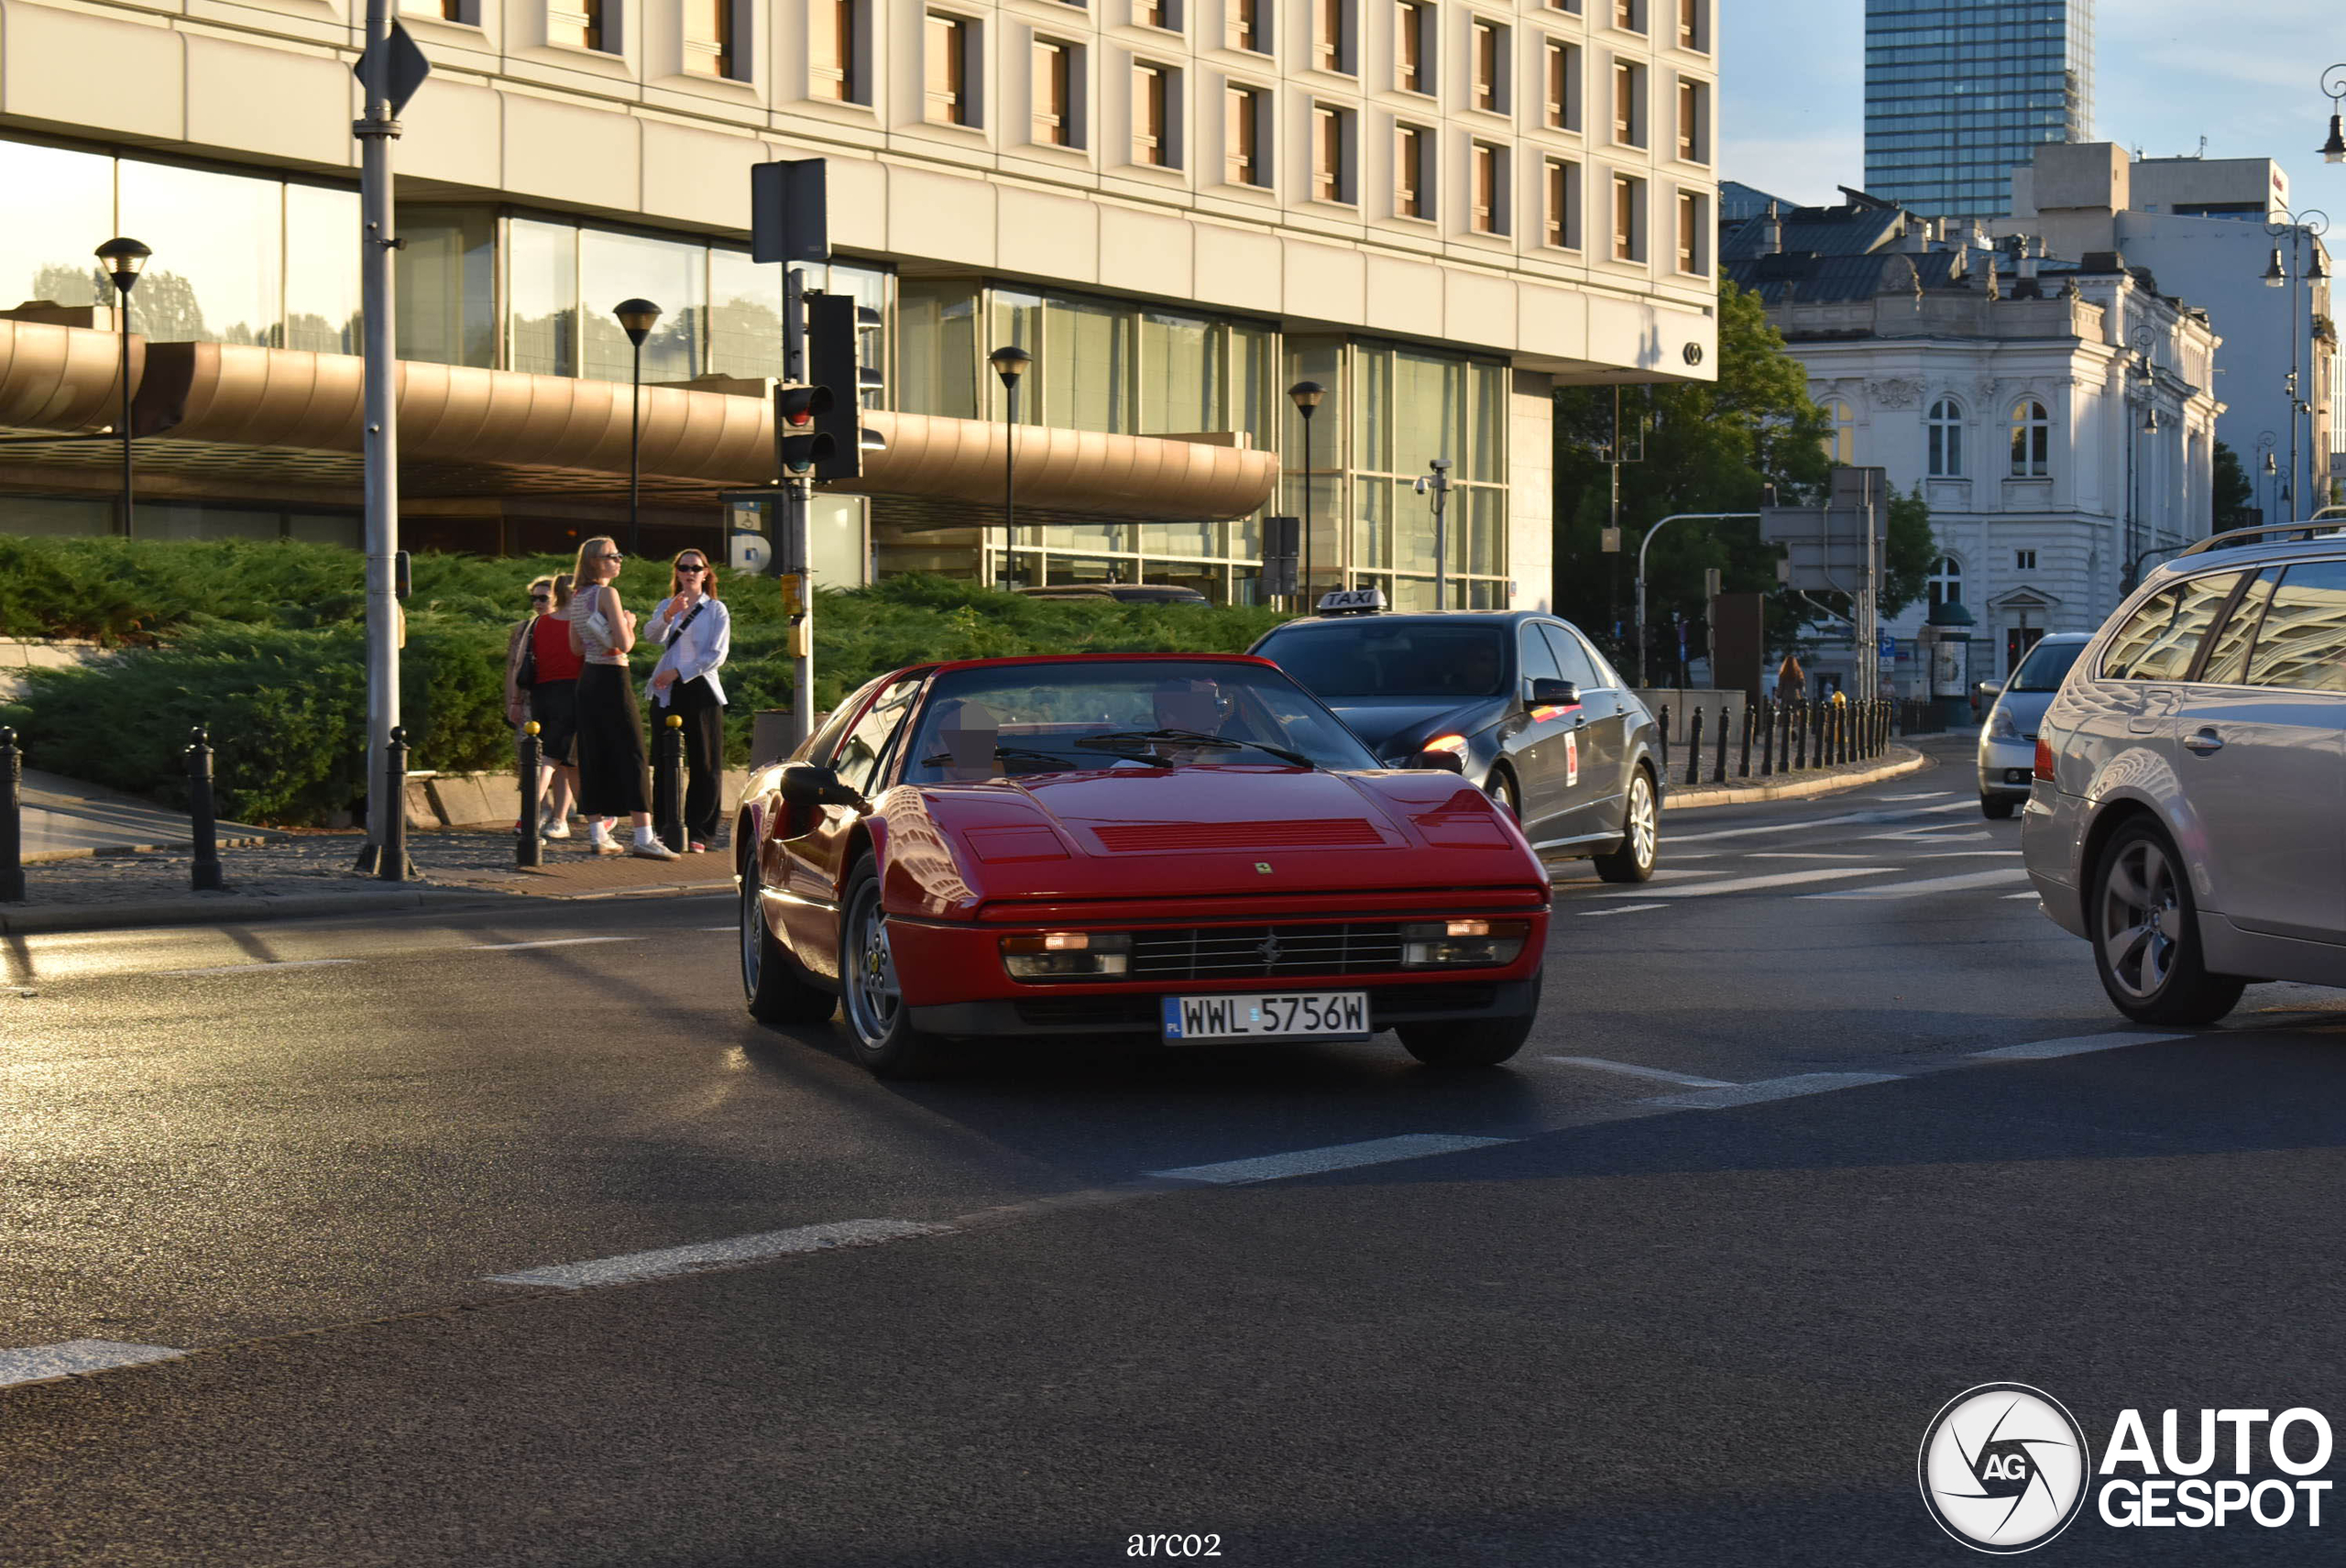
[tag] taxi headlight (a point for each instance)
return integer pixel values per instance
(2000, 726)
(1438, 944)
(1067, 955)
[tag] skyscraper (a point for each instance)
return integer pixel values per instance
(1959, 92)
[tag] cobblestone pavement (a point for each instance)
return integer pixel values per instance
(305, 865)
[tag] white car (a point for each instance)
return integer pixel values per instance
(2008, 741)
(2189, 815)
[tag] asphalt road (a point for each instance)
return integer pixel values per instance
(1682, 1285)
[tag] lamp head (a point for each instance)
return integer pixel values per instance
(1306, 396)
(2314, 271)
(124, 258)
(638, 317)
(2275, 273)
(2334, 150)
(2150, 419)
(1010, 362)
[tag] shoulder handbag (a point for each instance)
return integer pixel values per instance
(528, 669)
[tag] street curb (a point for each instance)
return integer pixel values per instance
(1739, 795)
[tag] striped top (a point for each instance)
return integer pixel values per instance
(582, 605)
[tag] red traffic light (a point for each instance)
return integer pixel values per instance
(797, 406)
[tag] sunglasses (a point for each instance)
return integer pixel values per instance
(542, 598)
(687, 570)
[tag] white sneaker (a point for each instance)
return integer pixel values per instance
(651, 850)
(553, 826)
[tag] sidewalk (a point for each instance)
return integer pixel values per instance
(287, 876)
(67, 820)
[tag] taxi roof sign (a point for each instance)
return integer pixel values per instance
(1352, 601)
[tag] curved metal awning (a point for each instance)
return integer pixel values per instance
(62, 377)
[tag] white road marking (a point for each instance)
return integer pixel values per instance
(1338, 1156)
(634, 1266)
(1944, 833)
(1773, 1089)
(2035, 896)
(1800, 855)
(1804, 826)
(1683, 1080)
(1926, 795)
(736, 926)
(40, 1363)
(552, 942)
(1754, 883)
(1619, 909)
(1955, 883)
(2076, 1045)
(252, 968)
(1967, 854)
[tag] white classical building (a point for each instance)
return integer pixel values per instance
(2056, 458)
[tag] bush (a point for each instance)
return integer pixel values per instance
(264, 641)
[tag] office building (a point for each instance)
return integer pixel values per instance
(1438, 208)
(1960, 91)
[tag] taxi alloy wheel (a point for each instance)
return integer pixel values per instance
(1640, 833)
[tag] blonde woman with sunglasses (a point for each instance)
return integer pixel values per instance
(613, 780)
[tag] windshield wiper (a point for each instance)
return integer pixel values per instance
(1010, 753)
(1198, 738)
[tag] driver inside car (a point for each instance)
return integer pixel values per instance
(968, 732)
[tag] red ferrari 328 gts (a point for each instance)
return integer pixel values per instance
(1187, 846)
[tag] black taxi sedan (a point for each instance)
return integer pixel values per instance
(1533, 712)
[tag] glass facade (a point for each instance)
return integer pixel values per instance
(1959, 92)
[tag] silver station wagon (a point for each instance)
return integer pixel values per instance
(2188, 811)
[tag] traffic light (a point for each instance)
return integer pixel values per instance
(835, 343)
(798, 444)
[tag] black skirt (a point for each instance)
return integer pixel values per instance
(613, 778)
(554, 704)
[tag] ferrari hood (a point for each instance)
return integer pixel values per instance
(1214, 830)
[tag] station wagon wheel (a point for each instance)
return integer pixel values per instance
(879, 1022)
(1640, 833)
(2145, 934)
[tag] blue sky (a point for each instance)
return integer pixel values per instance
(2246, 75)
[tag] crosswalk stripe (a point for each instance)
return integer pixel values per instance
(2075, 1044)
(1619, 909)
(40, 1363)
(1632, 1069)
(1769, 1089)
(1899, 815)
(1955, 884)
(1752, 884)
(1339, 1156)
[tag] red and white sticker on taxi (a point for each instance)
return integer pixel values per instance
(1572, 758)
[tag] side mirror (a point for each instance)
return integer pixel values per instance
(807, 785)
(1548, 692)
(1991, 688)
(1445, 761)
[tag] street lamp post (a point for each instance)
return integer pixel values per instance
(1647, 543)
(2267, 472)
(637, 317)
(1010, 362)
(2142, 380)
(1306, 396)
(2297, 228)
(124, 257)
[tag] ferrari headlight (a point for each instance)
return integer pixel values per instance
(1067, 955)
(1444, 944)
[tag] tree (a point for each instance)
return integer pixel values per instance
(1713, 447)
(2233, 491)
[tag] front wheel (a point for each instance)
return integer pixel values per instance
(1501, 789)
(880, 1026)
(2145, 934)
(1641, 834)
(1470, 1042)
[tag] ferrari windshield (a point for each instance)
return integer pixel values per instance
(1367, 656)
(1009, 719)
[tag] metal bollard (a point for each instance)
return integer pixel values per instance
(528, 851)
(1805, 718)
(1694, 748)
(12, 819)
(1767, 737)
(672, 783)
(1718, 761)
(1663, 723)
(1743, 759)
(203, 871)
(392, 864)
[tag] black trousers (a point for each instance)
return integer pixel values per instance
(704, 718)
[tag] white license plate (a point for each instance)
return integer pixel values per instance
(1291, 1015)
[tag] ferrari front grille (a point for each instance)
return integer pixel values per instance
(1243, 952)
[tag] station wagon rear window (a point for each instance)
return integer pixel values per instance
(2160, 640)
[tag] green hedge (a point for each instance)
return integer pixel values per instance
(264, 642)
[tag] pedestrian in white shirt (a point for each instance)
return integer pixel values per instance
(697, 631)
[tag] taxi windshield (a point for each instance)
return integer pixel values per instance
(2046, 664)
(1014, 719)
(1371, 657)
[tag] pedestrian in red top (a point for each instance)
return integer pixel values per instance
(551, 694)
